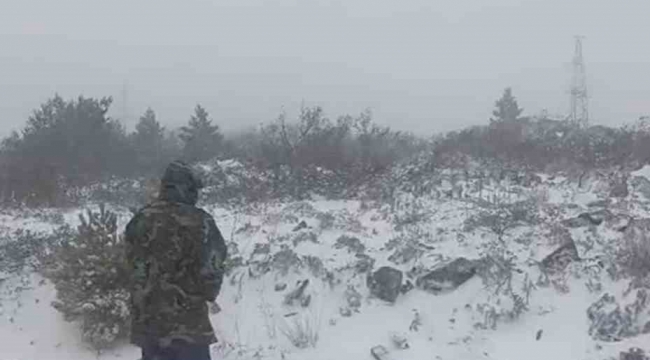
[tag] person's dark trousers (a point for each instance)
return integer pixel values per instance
(178, 350)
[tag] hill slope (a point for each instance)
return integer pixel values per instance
(514, 306)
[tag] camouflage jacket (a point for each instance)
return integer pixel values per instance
(175, 254)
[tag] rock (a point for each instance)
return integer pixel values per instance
(300, 226)
(559, 259)
(539, 335)
(400, 341)
(599, 203)
(379, 352)
(385, 283)
(612, 322)
(345, 312)
(633, 354)
(594, 218)
(597, 217)
(448, 277)
(280, 287)
(619, 190)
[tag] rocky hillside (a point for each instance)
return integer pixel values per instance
(488, 267)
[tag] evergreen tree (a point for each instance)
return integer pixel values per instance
(148, 142)
(65, 143)
(507, 109)
(90, 278)
(201, 139)
(506, 132)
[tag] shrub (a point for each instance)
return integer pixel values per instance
(19, 258)
(508, 292)
(233, 183)
(302, 333)
(86, 270)
(353, 244)
(502, 217)
(127, 192)
(23, 250)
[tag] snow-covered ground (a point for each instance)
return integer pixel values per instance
(303, 239)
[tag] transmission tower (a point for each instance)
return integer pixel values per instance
(579, 104)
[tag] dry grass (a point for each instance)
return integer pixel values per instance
(302, 332)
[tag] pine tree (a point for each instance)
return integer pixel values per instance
(148, 142)
(507, 128)
(90, 278)
(148, 128)
(201, 139)
(507, 109)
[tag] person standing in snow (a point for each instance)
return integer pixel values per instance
(175, 254)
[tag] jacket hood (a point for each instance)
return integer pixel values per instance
(180, 184)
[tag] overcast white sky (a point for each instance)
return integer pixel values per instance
(422, 65)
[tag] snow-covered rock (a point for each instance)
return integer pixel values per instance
(561, 257)
(619, 190)
(385, 283)
(448, 277)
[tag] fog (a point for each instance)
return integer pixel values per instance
(418, 65)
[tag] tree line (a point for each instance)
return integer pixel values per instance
(66, 145)
(542, 143)
(70, 144)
